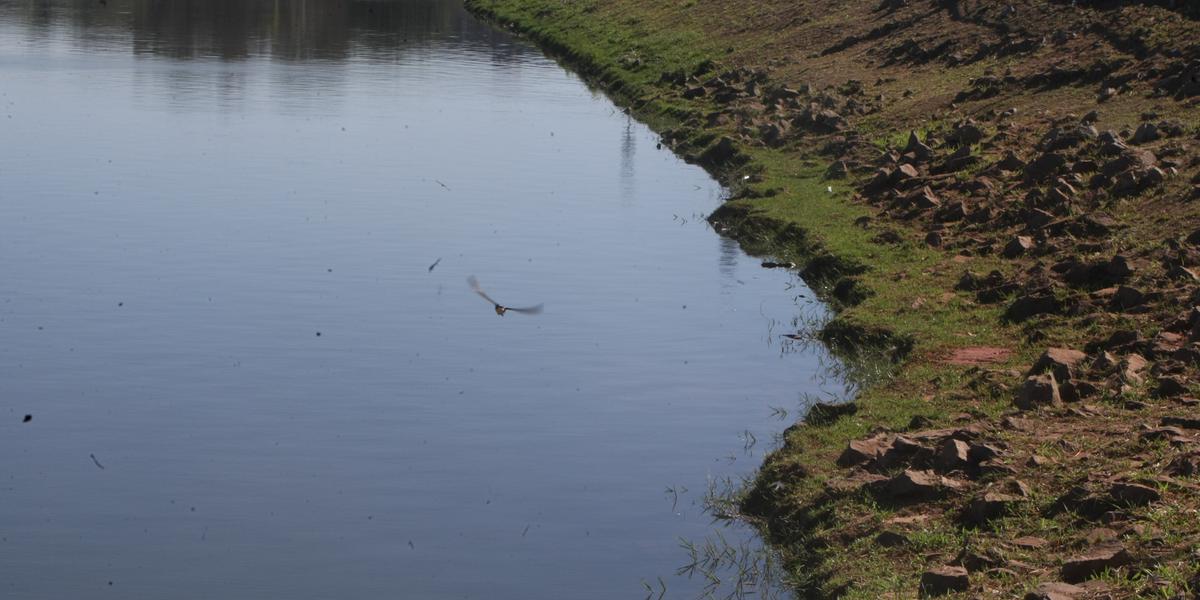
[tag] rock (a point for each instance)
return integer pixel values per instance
(1030, 542)
(863, 451)
(1126, 297)
(1146, 132)
(1133, 494)
(1184, 422)
(1018, 246)
(720, 153)
(924, 198)
(1094, 561)
(1038, 219)
(1131, 367)
(1037, 303)
(906, 172)
(1187, 465)
(965, 134)
(1170, 434)
(934, 239)
(838, 170)
(979, 453)
(1044, 167)
(953, 455)
(915, 147)
(891, 539)
(989, 506)
(1038, 391)
(911, 485)
(940, 581)
(903, 451)
(1170, 386)
(1064, 363)
(1055, 590)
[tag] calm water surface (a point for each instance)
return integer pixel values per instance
(217, 221)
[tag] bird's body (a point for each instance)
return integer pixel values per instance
(499, 308)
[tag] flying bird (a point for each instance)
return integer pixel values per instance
(500, 309)
(435, 264)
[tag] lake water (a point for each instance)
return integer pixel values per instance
(218, 226)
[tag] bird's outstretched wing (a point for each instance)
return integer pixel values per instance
(474, 283)
(529, 310)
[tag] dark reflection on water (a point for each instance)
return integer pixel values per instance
(216, 226)
(240, 29)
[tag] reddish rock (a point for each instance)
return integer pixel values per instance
(906, 172)
(1018, 246)
(1038, 391)
(1063, 363)
(1170, 386)
(1094, 561)
(1131, 368)
(990, 505)
(1184, 422)
(1055, 590)
(913, 485)
(952, 455)
(1187, 465)
(891, 539)
(866, 450)
(1133, 494)
(1030, 542)
(940, 581)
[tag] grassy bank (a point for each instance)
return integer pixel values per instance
(1029, 268)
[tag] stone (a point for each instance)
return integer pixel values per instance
(1184, 422)
(1064, 363)
(924, 198)
(1055, 590)
(1133, 494)
(1018, 246)
(1036, 303)
(1187, 465)
(1170, 386)
(1127, 297)
(863, 451)
(906, 172)
(1044, 167)
(1094, 561)
(1146, 132)
(891, 539)
(1131, 367)
(940, 581)
(1038, 391)
(910, 485)
(1168, 433)
(952, 455)
(991, 505)
(979, 452)
(965, 134)
(1030, 542)
(837, 170)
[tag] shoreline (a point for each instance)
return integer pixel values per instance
(999, 207)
